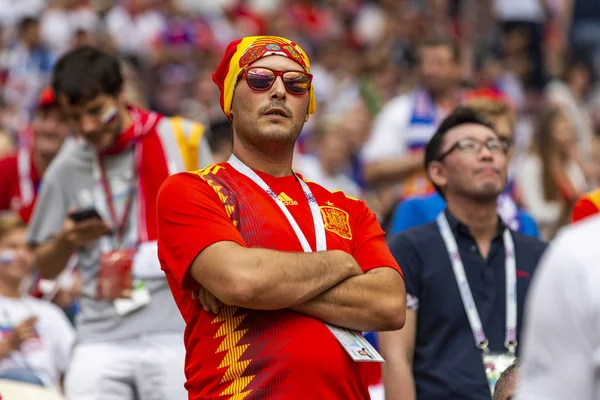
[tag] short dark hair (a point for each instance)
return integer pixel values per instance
(220, 134)
(502, 383)
(86, 72)
(27, 22)
(459, 116)
(442, 41)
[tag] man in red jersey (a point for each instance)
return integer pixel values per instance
(20, 173)
(270, 256)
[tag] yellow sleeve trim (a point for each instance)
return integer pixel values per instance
(188, 146)
(348, 197)
(595, 198)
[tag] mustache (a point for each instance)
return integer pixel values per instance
(276, 104)
(494, 168)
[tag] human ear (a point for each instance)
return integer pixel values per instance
(437, 173)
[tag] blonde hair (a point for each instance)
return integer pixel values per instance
(491, 109)
(9, 222)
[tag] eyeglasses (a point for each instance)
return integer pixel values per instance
(470, 145)
(261, 79)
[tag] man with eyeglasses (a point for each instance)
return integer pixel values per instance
(260, 260)
(466, 274)
(98, 200)
(420, 210)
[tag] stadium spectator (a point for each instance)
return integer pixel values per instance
(457, 335)
(21, 173)
(326, 261)
(128, 323)
(421, 210)
(35, 336)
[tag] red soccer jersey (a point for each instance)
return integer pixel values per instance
(12, 178)
(254, 354)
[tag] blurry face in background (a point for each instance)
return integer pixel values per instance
(562, 133)
(206, 92)
(49, 130)
(15, 258)
(31, 35)
(580, 78)
(504, 129)
(356, 125)
(334, 149)
(438, 68)
(98, 120)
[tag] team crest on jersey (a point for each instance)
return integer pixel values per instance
(337, 221)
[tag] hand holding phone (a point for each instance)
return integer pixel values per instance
(82, 215)
(84, 226)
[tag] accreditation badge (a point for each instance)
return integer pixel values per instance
(495, 364)
(115, 279)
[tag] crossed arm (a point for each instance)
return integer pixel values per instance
(328, 285)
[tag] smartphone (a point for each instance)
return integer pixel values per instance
(82, 215)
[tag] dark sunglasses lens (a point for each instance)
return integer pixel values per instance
(296, 82)
(260, 78)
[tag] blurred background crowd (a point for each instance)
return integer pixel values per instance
(540, 56)
(381, 68)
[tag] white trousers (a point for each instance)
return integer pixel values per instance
(144, 368)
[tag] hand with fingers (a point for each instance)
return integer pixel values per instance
(208, 300)
(80, 233)
(22, 333)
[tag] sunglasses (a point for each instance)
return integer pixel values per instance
(261, 79)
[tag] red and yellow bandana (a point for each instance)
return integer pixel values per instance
(243, 52)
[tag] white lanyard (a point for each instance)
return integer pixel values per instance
(25, 182)
(243, 169)
(465, 291)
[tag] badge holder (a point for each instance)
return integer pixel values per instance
(140, 297)
(496, 363)
(115, 275)
(355, 344)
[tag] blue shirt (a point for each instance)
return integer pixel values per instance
(417, 211)
(447, 364)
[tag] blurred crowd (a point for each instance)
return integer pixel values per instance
(386, 72)
(540, 56)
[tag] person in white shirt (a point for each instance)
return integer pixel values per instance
(35, 336)
(561, 350)
(394, 151)
(550, 177)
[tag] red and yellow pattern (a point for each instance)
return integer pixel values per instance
(243, 52)
(336, 220)
(235, 368)
(587, 205)
(260, 354)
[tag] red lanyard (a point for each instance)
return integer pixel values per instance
(122, 223)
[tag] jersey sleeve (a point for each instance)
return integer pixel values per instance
(191, 217)
(370, 249)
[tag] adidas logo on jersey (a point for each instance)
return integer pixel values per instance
(287, 200)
